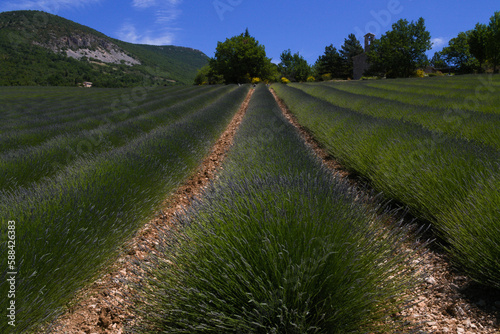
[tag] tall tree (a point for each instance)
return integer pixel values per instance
(493, 44)
(458, 54)
(438, 61)
(351, 48)
(330, 62)
(478, 40)
(293, 66)
(240, 58)
(207, 76)
(401, 51)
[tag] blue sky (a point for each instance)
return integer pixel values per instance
(306, 27)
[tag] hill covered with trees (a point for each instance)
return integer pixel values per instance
(39, 49)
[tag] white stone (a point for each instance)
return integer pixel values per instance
(430, 280)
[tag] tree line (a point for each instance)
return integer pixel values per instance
(476, 50)
(399, 52)
(242, 59)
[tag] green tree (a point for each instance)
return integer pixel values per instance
(458, 53)
(401, 51)
(331, 62)
(438, 61)
(207, 76)
(272, 72)
(351, 48)
(293, 67)
(493, 44)
(240, 58)
(478, 40)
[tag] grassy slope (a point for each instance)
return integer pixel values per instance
(23, 63)
(179, 63)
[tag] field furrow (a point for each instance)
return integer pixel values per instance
(482, 97)
(475, 126)
(24, 166)
(448, 181)
(72, 224)
(110, 112)
(276, 245)
(272, 241)
(74, 110)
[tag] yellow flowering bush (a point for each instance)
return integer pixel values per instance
(420, 74)
(326, 77)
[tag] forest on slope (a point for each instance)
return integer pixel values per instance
(34, 48)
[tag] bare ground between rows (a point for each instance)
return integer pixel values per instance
(446, 301)
(106, 306)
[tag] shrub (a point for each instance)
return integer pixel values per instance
(311, 79)
(326, 77)
(256, 80)
(437, 74)
(285, 80)
(473, 226)
(419, 74)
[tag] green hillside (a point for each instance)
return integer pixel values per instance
(39, 49)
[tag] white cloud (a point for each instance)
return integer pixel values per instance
(166, 38)
(129, 33)
(45, 5)
(143, 3)
(161, 31)
(167, 15)
(439, 42)
(165, 11)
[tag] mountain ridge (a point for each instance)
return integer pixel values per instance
(38, 48)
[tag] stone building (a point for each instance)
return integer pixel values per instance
(360, 62)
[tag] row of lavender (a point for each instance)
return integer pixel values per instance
(73, 214)
(431, 144)
(277, 244)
